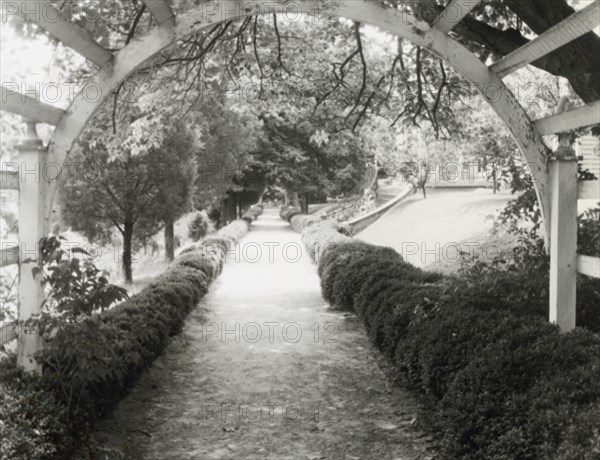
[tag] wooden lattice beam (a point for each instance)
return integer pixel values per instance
(453, 14)
(44, 14)
(574, 26)
(28, 107)
(161, 11)
(581, 117)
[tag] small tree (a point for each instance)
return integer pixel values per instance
(228, 138)
(487, 140)
(124, 180)
(175, 198)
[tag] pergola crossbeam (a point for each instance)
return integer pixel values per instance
(43, 13)
(587, 115)
(161, 11)
(30, 108)
(574, 26)
(453, 14)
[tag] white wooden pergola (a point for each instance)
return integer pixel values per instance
(555, 177)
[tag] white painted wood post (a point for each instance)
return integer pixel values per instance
(32, 158)
(563, 232)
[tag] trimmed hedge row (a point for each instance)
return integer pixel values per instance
(253, 213)
(90, 365)
(496, 383)
(288, 212)
(318, 234)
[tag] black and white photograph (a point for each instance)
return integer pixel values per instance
(300, 230)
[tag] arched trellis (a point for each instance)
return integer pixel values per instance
(114, 69)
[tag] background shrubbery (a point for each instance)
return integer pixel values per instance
(91, 361)
(288, 212)
(497, 380)
(200, 226)
(252, 213)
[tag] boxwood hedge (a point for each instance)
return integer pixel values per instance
(496, 379)
(253, 213)
(89, 365)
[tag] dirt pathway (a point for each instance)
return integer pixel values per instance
(265, 370)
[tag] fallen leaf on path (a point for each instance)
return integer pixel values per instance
(386, 426)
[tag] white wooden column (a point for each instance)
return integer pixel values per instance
(563, 231)
(32, 186)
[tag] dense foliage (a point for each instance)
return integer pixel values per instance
(200, 226)
(497, 380)
(89, 364)
(134, 180)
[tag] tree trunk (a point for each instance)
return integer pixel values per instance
(238, 205)
(170, 240)
(494, 180)
(423, 189)
(294, 200)
(127, 244)
(304, 204)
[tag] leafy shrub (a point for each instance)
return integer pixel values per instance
(519, 284)
(504, 401)
(288, 212)
(252, 214)
(299, 222)
(497, 380)
(200, 226)
(99, 357)
(234, 231)
(33, 423)
(588, 235)
(74, 286)
(321, 239)
(90, 362)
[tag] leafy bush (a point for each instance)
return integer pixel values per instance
(33, 423)
(299, 222)
(288, 212)
(233, 232)
(497, 380)
(588, 235)
(519, 284)
(252, 214)
(74, 286)
(519, 395)
(200, 226)
(321, 239)
(90, 362)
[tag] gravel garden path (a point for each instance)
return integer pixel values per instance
(264, 369)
